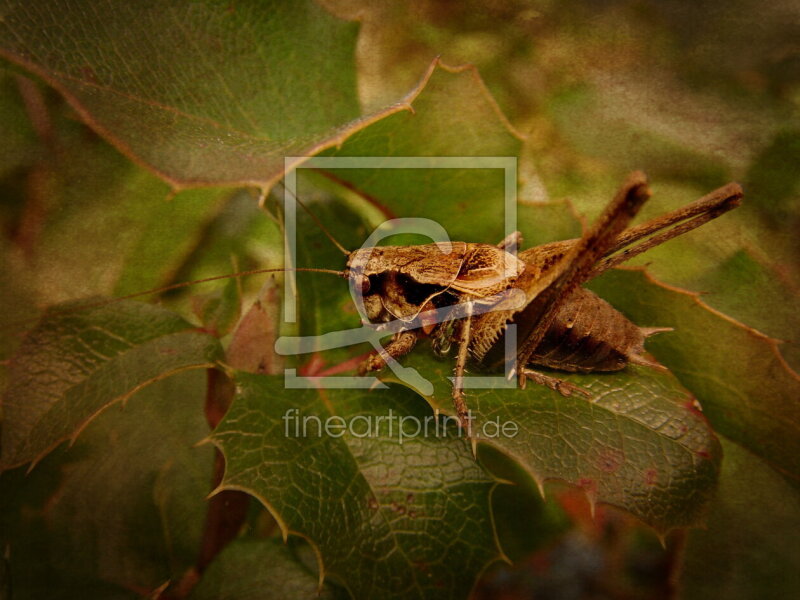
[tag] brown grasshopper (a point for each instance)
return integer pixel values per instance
(560, 324)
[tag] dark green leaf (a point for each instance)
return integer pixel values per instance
(641, 444)
(236, 88)
(390, 517)
(259, 570)
(122, 509)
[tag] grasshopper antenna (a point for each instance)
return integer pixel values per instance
(183, 284)
(180, 285)
(324, 230)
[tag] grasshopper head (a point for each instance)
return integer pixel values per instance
(399, 281)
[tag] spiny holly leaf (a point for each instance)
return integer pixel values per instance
(75, 364)
(390, 516)
(259, 570)
(545, 519)
(201, 92)
(749, 548)
(748, 392)
(640, 443)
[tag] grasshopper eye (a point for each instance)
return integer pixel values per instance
(362, 283)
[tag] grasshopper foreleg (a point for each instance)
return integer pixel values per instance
(401, 344)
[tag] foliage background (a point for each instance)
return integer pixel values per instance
(694, 94)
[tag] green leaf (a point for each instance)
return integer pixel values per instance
(545, 520)
(237, 88)
(773, 176)
(749, 548)
(748, 392)
(640, 444)
(454, 116)
(122, 509)
(755, 293)
(390, 517)
(259, 570)
(75, 364)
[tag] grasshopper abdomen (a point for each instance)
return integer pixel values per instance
(588, 335)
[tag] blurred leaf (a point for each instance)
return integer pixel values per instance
(259, 570)
(220, 310)
(122, 509)
(390, 516)
(19, 145)
(747, 391)
(252, 346)
(651, 142)
(135, 245)
(75, 364)
(749, 548)
(742, 39)
(773, 177)
(240, 237)
(16, 303)
(105, 225)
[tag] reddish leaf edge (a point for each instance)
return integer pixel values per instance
(336, 139)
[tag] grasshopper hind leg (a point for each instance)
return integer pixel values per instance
(565, 388)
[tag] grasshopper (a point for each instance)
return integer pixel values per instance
(561, 325)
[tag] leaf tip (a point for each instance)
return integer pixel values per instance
(540, 487)
(215, 491)
(206, 440)
(662, 538)
(35, 461)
